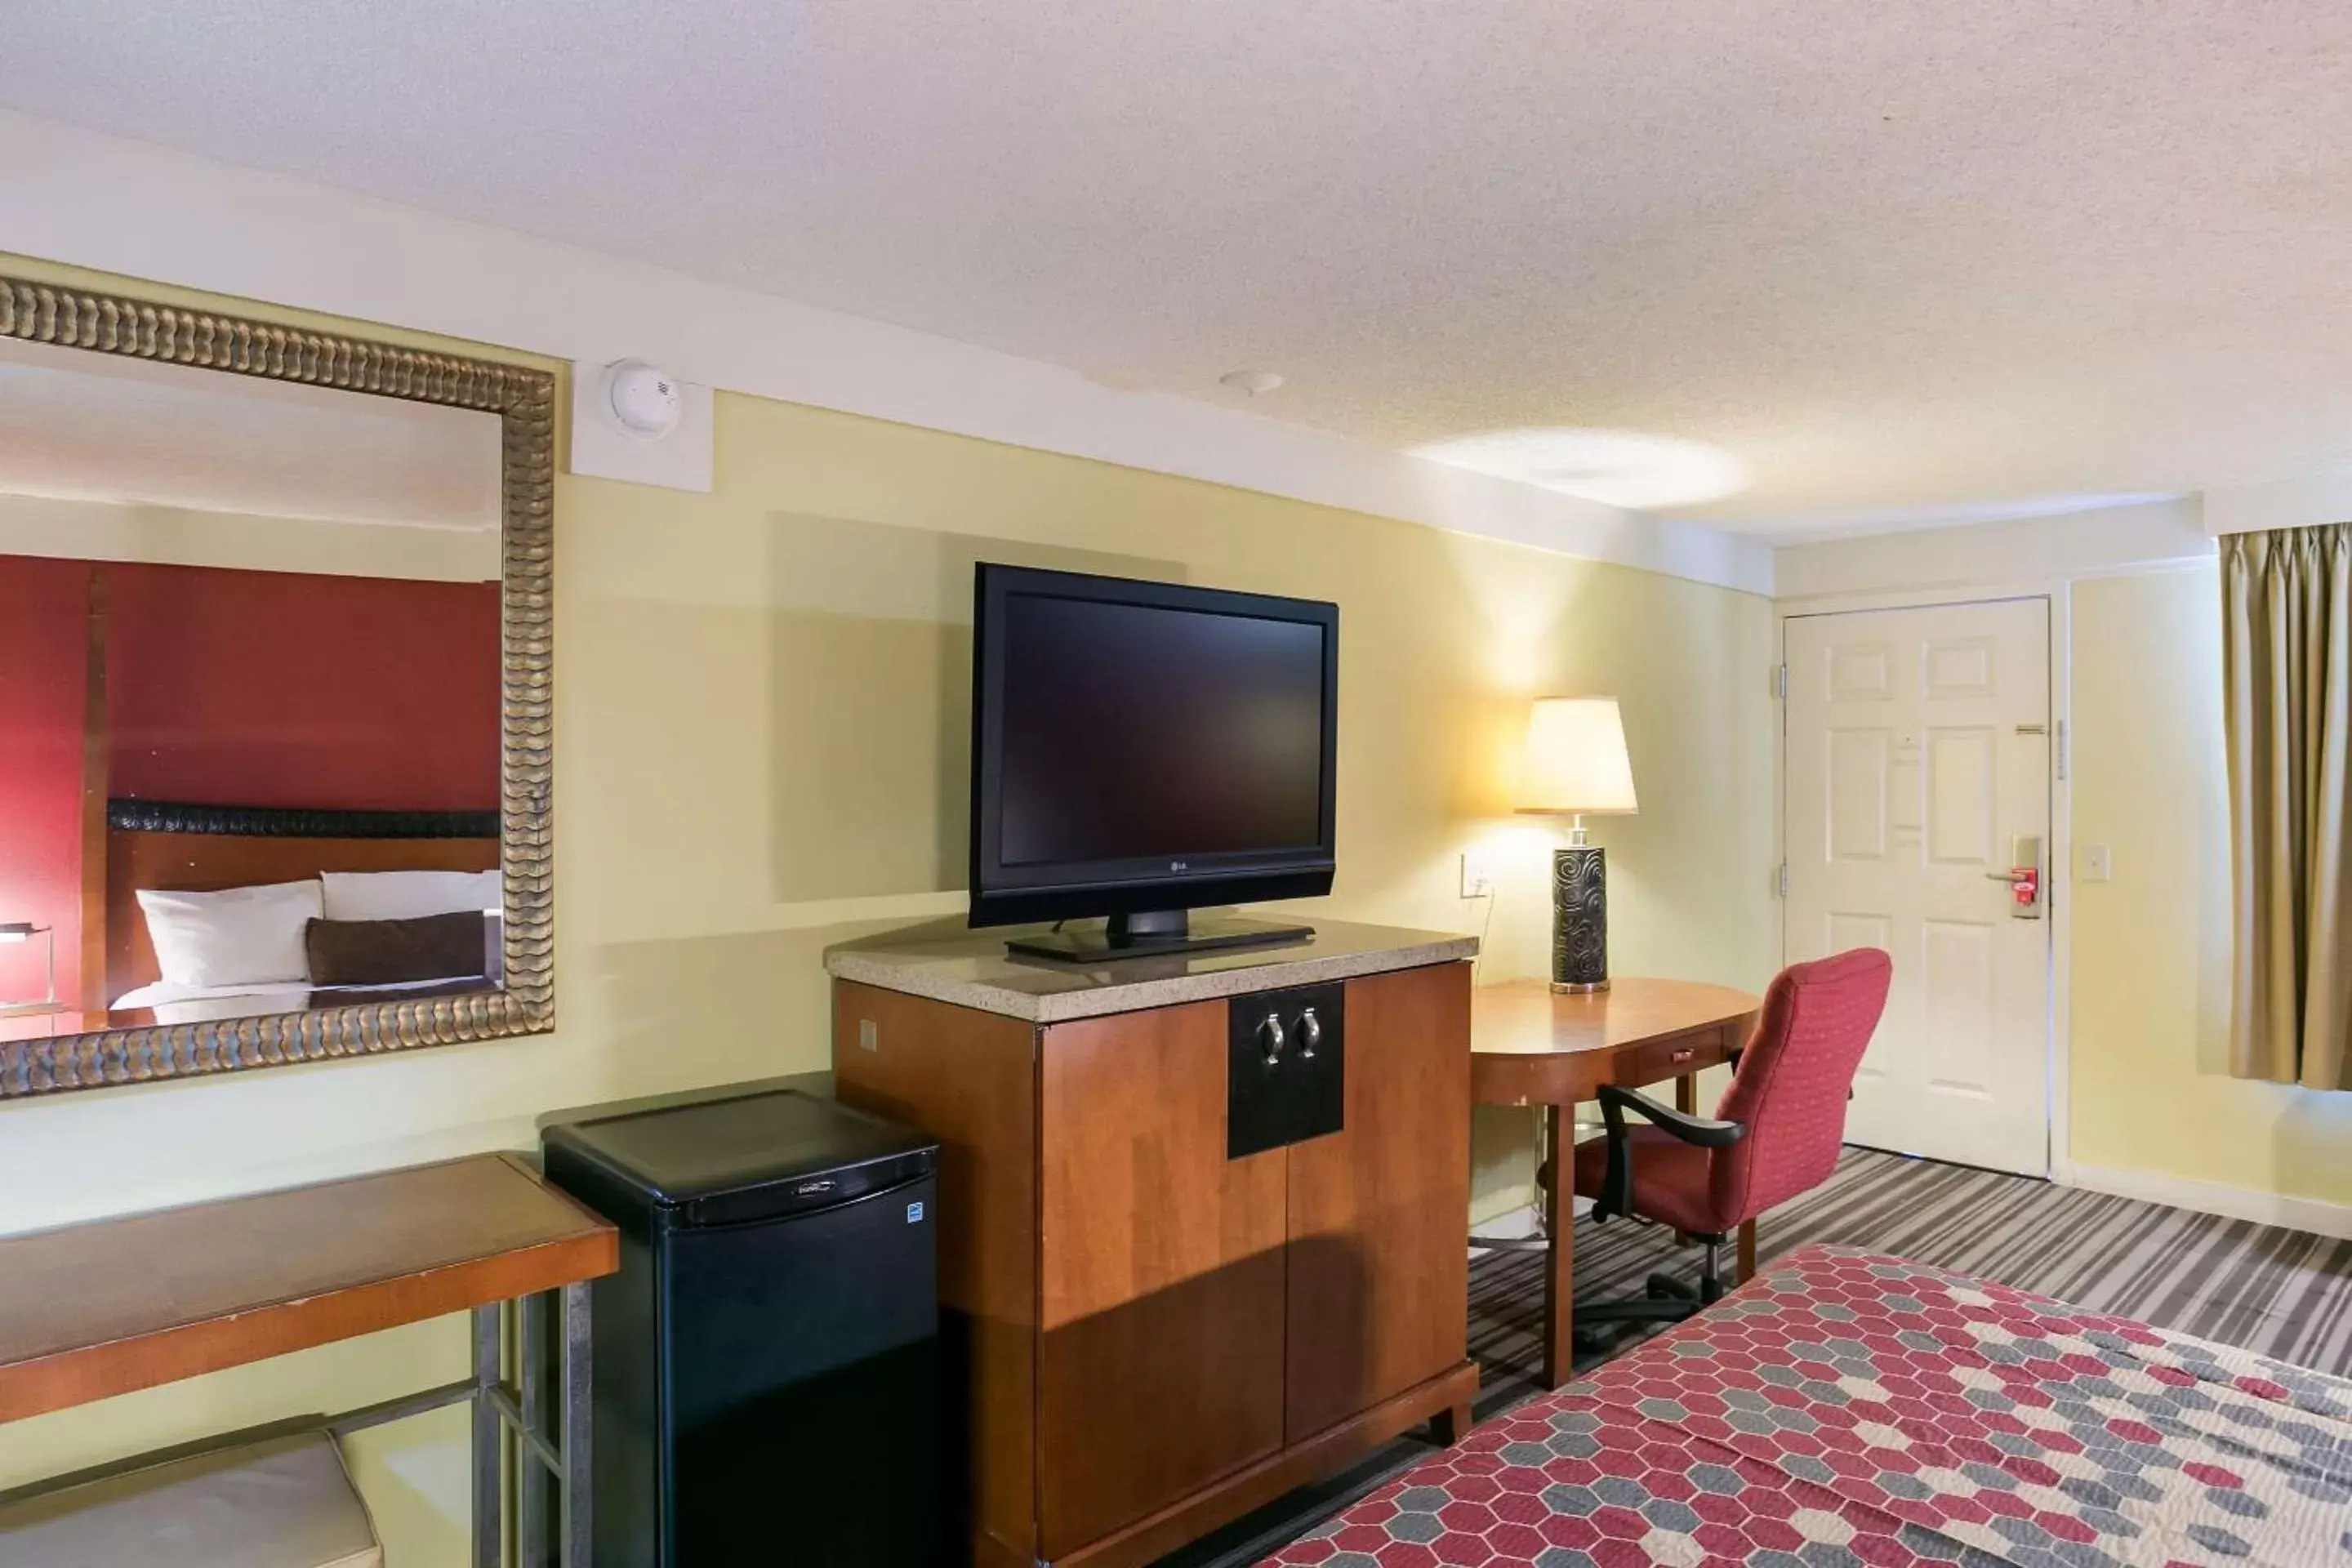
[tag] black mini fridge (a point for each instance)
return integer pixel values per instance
(766, 1363)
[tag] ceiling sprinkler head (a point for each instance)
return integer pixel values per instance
(1250, 380)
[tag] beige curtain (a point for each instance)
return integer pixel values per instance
(2287, 608)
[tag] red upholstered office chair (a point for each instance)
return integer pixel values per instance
(1775, 1134)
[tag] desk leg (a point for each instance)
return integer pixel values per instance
(1686, 1101)
(489, 1441)
(1748, 1252)
(1560, 1259)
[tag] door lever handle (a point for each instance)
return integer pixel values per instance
(2024, 887)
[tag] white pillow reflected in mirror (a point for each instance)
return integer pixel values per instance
(237, 936)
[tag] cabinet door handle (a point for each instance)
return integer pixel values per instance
(1310, 1035)
(1684, 1055)
(1271, 1033)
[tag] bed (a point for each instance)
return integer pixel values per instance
(1848, 1408)
(170, 846)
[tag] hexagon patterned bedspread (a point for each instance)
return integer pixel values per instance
(1846, 1408)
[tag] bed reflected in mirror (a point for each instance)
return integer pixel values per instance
(249, 695)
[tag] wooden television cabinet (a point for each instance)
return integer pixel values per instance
(1153, 1329)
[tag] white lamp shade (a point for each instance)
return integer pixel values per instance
(1575, 760)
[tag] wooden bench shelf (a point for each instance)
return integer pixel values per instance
(90, 1310)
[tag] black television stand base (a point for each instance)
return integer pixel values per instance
(1159, 934)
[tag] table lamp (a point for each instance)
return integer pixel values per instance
(1575, 765)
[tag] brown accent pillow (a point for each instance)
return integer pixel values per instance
(396, 952)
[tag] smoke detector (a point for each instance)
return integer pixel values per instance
(643, 399)
(1250, 380)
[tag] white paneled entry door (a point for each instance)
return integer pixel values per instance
(1919, 755)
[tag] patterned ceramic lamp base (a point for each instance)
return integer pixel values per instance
(1579, 920)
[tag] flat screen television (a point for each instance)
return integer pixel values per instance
(1141, 750)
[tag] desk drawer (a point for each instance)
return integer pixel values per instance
(1665, 1060)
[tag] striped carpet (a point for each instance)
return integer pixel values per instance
(2283, 1293)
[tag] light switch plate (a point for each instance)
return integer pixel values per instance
(1477, 874)
(2097, 863)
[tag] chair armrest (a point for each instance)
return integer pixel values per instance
(1705, 1131)
(1617, 1185)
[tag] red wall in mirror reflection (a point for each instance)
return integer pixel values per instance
(43, 664)
(225, 687)
(283, 688)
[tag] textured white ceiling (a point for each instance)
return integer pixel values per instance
(1898, 257)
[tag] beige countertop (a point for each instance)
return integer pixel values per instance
(949, 963)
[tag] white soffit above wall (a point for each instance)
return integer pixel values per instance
(105, 202)
(2301, 502)
(2142, 536)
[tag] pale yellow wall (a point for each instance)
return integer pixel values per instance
(2150, 1087)
(759, 699)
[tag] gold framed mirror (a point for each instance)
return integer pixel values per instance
(277, 678)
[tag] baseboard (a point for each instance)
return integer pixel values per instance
(1504, 1208)
(1516, 1222)
(1524, 1221)
(2314, 1214)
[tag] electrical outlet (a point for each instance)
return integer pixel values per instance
(1478, 875)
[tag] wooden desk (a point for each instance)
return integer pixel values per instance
(90, 1310)
(1531, 1046)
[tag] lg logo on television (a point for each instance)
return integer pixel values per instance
(1179, 866)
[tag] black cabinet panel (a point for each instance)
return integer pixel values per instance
(1285, 1067)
